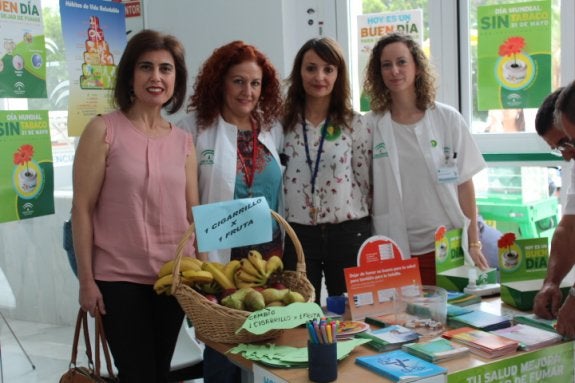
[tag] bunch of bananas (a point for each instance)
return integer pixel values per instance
(190, 271)
(215, 277)
(255, 271)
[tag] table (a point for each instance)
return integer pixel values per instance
(348, 371)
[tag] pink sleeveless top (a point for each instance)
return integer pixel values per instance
(141, 212)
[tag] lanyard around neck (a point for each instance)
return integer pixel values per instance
(315, 169)
(250, 171)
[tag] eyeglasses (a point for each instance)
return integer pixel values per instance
(563, 145)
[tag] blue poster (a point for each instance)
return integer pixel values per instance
(95, 37)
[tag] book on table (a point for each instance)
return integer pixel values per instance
(535, 321)
(529, 337)
(459, 298)
(482, 343)
(390, 337)
(480, 320)
(400, 366)
(436, 350)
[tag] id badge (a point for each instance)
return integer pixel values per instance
(447, 174)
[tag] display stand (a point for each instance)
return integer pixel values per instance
(526, 219)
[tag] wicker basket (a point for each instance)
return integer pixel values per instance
(219, 323)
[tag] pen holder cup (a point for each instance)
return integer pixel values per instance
(322, 362)
(336, 304)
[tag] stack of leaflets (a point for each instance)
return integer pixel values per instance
(480, 320)
(454, 310)
(529, 338)
(400, 366)
(462, 299)
(484, 344)
(389, 338)
(436, 350)
(535, 321)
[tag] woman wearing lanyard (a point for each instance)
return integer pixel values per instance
(327, 179)
(424, 157)
(236, 104)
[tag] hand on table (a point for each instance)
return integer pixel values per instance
(547, 301)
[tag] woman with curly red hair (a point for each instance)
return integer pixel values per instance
(234, 108)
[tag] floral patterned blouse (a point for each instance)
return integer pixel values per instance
(343, 181)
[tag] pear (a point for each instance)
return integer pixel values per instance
(292, 297)
(233, 302)
(254, 300)
(236, 300)
(271, 294)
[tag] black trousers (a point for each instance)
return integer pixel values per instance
(328, 249)
(142, 329)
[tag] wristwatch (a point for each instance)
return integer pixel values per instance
(572, 291)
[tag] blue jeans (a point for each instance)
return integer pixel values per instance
(328, 249)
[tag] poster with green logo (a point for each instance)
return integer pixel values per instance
(26, 167)
(22, 50)
(513, 55)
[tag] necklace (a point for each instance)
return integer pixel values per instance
(314, 209)
(249, 169)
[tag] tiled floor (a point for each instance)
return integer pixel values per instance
(48, 346)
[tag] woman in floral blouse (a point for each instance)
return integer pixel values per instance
(327, 150)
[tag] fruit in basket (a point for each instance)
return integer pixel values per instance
(254, 300)
(218, 275)
(236, 300)
(256, 259)
(271, 295)
(274, 264)
(209, 288)
(230, 268)
(186, 263)
(163, 284)
(242, 276)
(292, 297)
(194, 276)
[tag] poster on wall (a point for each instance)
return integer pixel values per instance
(22, 50)
(371, 27)
(513, 55)
(26, 167)
(95, 37)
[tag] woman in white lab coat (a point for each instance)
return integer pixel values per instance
(424, 156)
(234, 112)
(235, 106)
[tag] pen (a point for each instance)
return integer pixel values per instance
(324, 333)
(334, 331)
(329, 333)
(311, 330)
(317, 331)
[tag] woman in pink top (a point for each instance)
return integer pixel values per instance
(135, 182)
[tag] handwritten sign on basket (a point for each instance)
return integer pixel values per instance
(276, 318)
(235, 223)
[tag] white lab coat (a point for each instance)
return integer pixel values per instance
(216, 150)
(442, 129)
